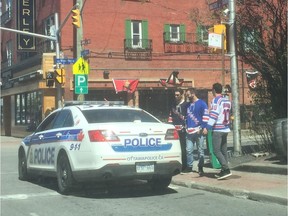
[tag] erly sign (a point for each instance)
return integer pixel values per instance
(26, 22)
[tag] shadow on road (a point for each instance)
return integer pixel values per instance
(112, 190)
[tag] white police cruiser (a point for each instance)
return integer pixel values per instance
(101, 141)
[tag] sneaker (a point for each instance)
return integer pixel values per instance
(224, 174)
(187, 170)
(219, 174)
(200, 171)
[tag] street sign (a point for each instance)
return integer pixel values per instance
(65, 61)
(81, 66)
(85, 52)
(81, 84)
(215, 40)
(85, 42)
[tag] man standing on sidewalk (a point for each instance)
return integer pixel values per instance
(219, 121)
(177, 116)
(196, 120)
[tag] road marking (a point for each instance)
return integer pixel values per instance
(26, 196)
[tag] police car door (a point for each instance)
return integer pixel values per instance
(41, 152)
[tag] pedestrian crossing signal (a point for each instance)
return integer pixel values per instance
(50, 78)
(76, 17)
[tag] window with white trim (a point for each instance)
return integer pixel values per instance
(9, 52)
(136, 27)
(175, 33)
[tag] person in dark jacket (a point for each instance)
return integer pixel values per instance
(177, 117)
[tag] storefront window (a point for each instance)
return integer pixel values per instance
(28, 108)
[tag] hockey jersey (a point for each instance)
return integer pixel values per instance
(219, 116)
(197, 116)
(178, 114)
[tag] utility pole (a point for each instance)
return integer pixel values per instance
(58, 85)
(234, 79)
(78, 40)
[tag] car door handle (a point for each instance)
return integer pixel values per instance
(58, 135)
(41, 137)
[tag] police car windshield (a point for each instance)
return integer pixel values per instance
(117, 115)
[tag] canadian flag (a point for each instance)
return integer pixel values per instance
(125, 85)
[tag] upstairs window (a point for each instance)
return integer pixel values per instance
(9, 52)
(249, 40)
(174, 33)
(50, 29)
(202, 34)
(136, 34)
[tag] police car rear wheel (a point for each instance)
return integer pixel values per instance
(160, 183)
(22, 166)
(64, 174)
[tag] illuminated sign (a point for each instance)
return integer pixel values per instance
(26, 22)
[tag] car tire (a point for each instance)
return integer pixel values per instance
(22, 166)
(64, 174)
(160, 183)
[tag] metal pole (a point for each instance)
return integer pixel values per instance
(79, 37)
(29, 33)
(223, 60)
(58, 85)
(234, 80)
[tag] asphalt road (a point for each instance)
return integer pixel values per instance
(40, 198)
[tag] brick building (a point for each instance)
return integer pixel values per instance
(129, 40)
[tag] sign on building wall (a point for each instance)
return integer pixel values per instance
(26, 22)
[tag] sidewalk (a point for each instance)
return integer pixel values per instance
(261, 179)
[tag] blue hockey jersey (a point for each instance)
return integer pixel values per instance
(197, 116)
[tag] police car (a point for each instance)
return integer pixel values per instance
(101, 141)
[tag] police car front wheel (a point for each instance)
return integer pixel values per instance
(64, 174)
(22, 165)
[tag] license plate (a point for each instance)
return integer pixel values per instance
(144, 167)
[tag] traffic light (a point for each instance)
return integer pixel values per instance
(76, 17)
(60, 75)
(50, 78)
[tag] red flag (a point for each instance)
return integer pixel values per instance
(125, 85)
(252, 79)
(172, 80)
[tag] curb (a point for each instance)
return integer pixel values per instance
(261, 169)
(242, 194)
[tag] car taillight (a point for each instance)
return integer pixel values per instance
(171, 134)
(102, 136)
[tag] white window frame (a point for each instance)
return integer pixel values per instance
(9, 52)
(177, 33)
(203, 34)
(249, 39)
(8, 7)
(50, 29)
(136, 35)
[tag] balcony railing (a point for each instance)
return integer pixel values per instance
(138, 49)
(184, 43)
